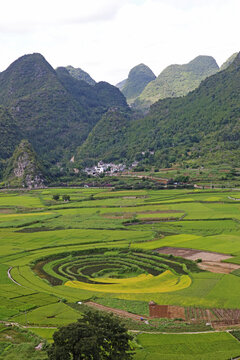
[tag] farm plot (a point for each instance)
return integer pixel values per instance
(210, 261)
(45, 333)
(53, 314)
(28, 200)
(25, 219)
(16, 343)
(214, 316)
(219, 346)
(48, 256)
(193, 254)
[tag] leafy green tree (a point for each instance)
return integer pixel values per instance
(66, 198)
(97, 336)
(181, 178)
(55, 197)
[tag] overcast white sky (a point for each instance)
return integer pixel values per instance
(107, 38)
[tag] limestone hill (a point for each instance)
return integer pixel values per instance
(177, 80)
(24, 169)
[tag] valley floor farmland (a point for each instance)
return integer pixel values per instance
(101, 246)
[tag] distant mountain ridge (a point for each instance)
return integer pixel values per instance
(228, 62)
(80, 74)
(177, 80)
(121, 84)
(137, 80)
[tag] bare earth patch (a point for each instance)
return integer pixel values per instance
(7, 211)
(193, 254)
(218, 267)
(118, 216)
(161, 212)
(157, 219)
(211, 261)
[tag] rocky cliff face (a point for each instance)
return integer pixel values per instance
(24, 169)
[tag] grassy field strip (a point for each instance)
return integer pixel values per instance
(223, 243)
(28, 257)
(53, 314)
(173, 240)
(23, 201)
(45, 333)
(219, 346)
(68, 237)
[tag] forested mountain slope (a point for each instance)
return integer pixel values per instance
(107, 140)
(80, 74)
(54, 111)
(137, 80)
(177, 80)
(10, 134)
(203, 126)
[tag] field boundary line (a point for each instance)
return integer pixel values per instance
(9, 323)
(181, 333)
(232, 198)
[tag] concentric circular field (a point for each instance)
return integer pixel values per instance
(115, 271)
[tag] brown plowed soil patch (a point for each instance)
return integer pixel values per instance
(129, 197)
(218, 267)
(217, 317)
(117, 312)
(158, 219)
(193, 254)
(162, 212)
(211, 261)
(6, 211)
(123, 216)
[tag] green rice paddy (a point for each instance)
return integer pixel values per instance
(220, 346)
(100, 245)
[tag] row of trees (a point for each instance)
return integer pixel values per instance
(56, 197)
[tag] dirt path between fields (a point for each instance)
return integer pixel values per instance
(10, 277)
(232, 198)
(211, 261)
(9, 323)
(217, 329)
(118, 312)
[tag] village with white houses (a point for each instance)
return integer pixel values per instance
(108, 168)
